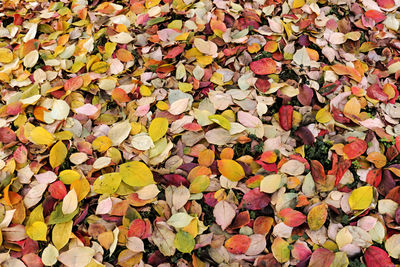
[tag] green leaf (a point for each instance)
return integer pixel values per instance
(155, 21)
(184, 242)
(57, 215)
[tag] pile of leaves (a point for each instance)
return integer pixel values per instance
(199, 133)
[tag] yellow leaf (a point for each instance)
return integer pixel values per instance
(152, 3)
(57, 154)
(280, 250)
(271, 183)
(205, 60)
(64, 135)
(317, 216)
(220, 120)
(298, 3)
(81, 187)
(230, 169)
(352, 107)
(343, 237)
(107, 183)
(37, 231)
(175, 24)
(145, 90)
(217, 78)
(99, 67)
(109, 48)
(41, 136)
(361, 198)
(102, 143)
(182, 37)
(158, 128)
(192, 228)
(199, 184)
(136, 173)
(185, 87)
(77, 66)
(161, 105)
(69, 176)
(61, 234)
(323, 115)
(6, 56)
(36, 215)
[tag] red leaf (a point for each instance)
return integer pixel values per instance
(338, 115)
(242, 219)
(377, 257)
(238, 244)
(386, 3)
(175, 51)
(301, 251)
(210, 200)
(176, 179)
(32, 260)
(263, 66)
(73, 83)
(21, 154)
(270, 167)
(262, 85)
(7, 135)
(305, 135)
(137, 228)
(193, 127)
(286, 117)
(376, 92)
(355, 148)
(317, 172)
(254, 200)
(397, 142)
(321, 257)
(387, 183)
(14, 108)
(291, 217)
(375, 15)
(343, 166)
(394, 194)
(374, 177)
(391, 153)
(305, 95)
(58, 190)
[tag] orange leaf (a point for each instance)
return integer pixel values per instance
(345, 70)
(230, 169)
(227, 153)
(120, 95)
(263, 66)
(291, 217)
(377, 158)
(268, 157)
(238, 244)
(206, 157)
(262, 225)
(124, 55)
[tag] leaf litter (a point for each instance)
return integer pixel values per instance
(199, 133)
